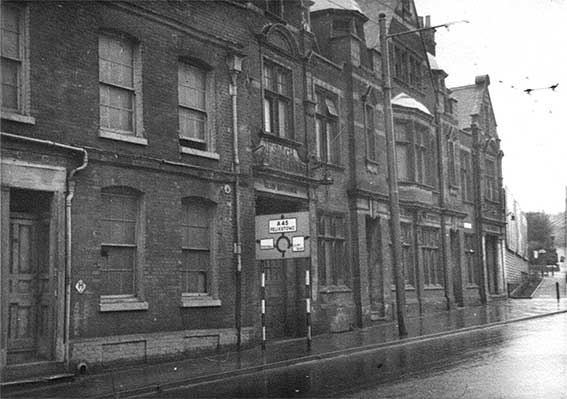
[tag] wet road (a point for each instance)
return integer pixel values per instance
(519, 360)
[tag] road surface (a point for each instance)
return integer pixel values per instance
(518, 360)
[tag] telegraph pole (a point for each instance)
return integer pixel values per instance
(395, 228)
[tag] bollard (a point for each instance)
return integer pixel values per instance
(557, 290)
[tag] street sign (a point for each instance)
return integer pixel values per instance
(282, 235)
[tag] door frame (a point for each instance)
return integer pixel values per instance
(16, 174)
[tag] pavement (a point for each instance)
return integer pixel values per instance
(148, 378)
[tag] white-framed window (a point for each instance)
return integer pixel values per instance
(327, 133)
(15, 63)
(120, 87)
(192, 93)
(278, 102)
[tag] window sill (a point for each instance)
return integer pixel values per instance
(122, 137)
(199, 301)
(407, 287)
(199, 153)
(434, 288)
(16, 117)
(334, 289)
(120, 303)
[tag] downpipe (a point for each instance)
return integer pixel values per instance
(68, 257)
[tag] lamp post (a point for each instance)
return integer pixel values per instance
(395, 228)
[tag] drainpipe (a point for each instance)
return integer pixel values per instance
(234, 63)
(68, 258)
(68, 236)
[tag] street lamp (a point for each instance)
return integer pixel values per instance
(393, 190)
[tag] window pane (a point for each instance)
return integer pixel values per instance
(267, 115)
(192, 87)
(283, 118)
(331, 107)
(118, 268)
(10, 32)
(116, 62)
(10, 84)
(116, 108)
(198, 237)
(335, 142)
(119, 219)
(268, 77)
(195, 271)
(319, 139)
(402, 161)
(192, 125)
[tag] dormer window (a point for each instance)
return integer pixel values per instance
(407, 67)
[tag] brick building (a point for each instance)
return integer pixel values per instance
(141, 139)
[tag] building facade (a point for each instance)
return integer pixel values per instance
(517, 264)
(141, 140)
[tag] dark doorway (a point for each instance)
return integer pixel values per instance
(456, 267)
(492, 263)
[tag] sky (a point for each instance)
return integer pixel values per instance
(520, 44)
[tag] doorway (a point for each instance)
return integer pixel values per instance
(285, 278)
(492, 263)
(457, 269)
(27, 276)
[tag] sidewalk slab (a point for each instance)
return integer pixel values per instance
(151, 377)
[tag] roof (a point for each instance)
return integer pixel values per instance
(470, 100)
(403, 100)
(372, 9)
(350, 5)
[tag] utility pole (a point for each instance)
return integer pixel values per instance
(395, 228)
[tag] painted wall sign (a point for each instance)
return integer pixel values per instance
(278, 187)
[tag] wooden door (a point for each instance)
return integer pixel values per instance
(27, 297)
